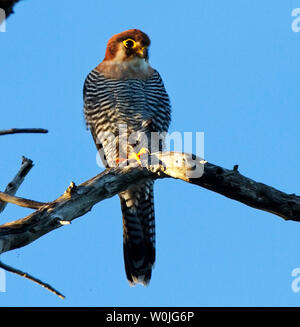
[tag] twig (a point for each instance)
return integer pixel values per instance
(14, 185)
(30, 277)
(23, 130)
(21, 202)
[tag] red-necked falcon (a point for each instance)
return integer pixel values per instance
(124, 90)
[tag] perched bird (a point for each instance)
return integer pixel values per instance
(124, 90)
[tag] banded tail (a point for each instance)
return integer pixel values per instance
(137, 206)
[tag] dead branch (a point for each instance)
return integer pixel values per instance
(234, 185)
(78, 200)
(21, 202)
(30, 277)
(23, 131)
(14, 185)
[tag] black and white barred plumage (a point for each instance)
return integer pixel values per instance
(112, 106)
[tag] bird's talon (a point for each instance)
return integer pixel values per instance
(134, 156)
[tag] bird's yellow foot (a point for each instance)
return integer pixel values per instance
(134, 155)
(137, 156)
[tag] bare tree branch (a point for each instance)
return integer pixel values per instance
(25, 203)
(78, 200)
(30, 277)
(14, 185)
(23, 130)
(8, 197)
(234, 185)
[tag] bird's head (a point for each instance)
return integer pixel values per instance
(127, 45)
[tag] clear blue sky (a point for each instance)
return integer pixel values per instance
(232, 71)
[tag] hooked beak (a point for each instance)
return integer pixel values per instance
(142, 52)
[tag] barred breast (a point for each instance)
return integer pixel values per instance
(141, 105)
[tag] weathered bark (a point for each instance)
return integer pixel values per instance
(14, 185)
(78, 200)
(234, 185)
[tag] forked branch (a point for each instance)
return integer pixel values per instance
(78, 200)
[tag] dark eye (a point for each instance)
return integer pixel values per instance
(129, 43)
